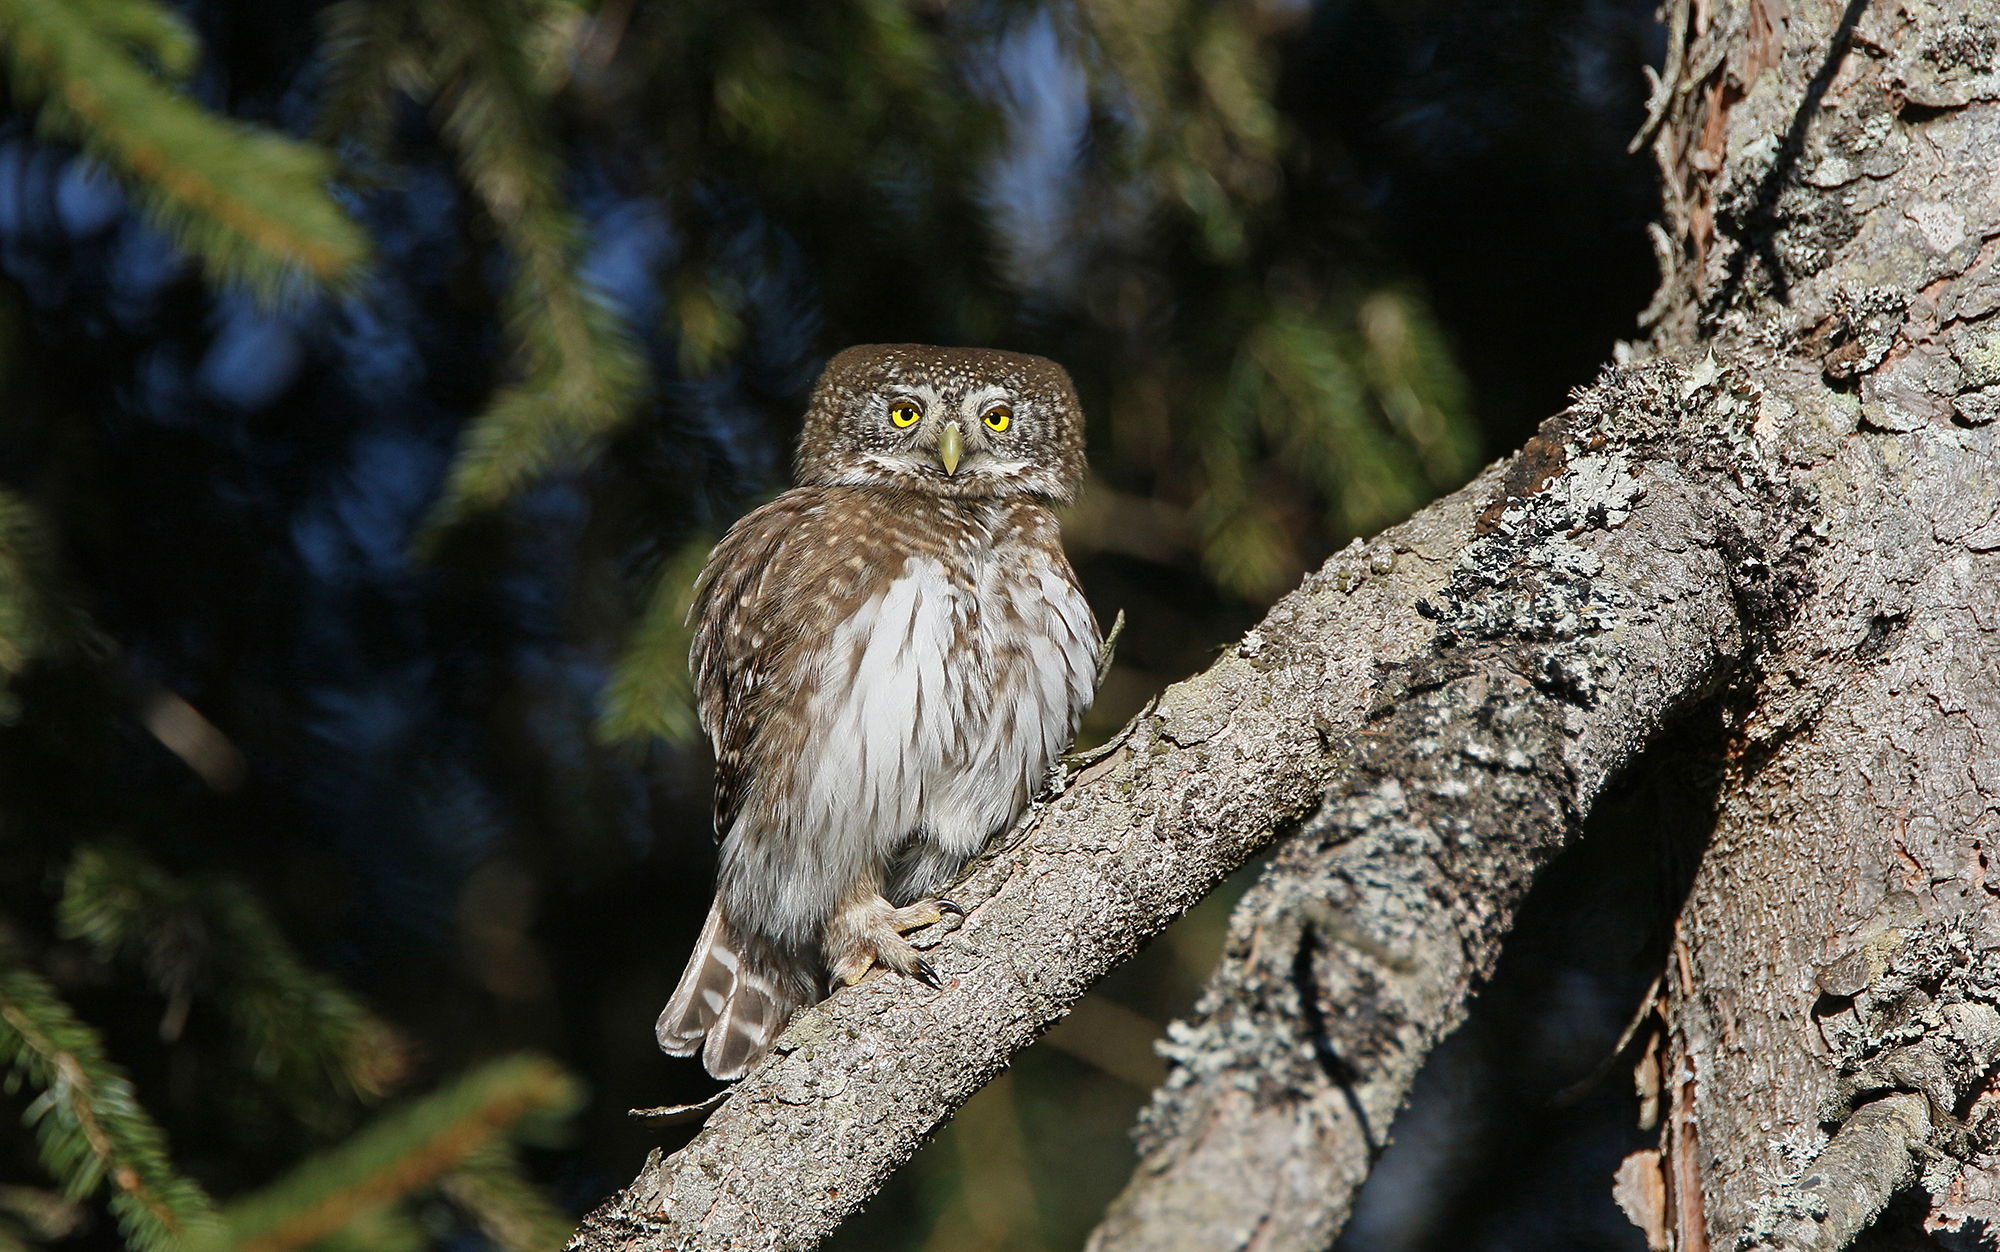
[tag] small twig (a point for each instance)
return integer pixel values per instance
(1109, 648)
(1872, 1156)
(1665, 85)
(675, 1114)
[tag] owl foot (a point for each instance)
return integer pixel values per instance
(869, 932)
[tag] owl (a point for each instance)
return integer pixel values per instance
(887, 658)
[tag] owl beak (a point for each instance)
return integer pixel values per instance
(951, 446)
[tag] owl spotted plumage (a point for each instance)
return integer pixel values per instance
(887, 658)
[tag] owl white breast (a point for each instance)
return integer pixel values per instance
(941, 702)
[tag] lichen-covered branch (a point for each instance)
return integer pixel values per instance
(1869, 1161)
(1644, 547)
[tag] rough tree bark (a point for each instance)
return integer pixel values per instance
(1787, 504)
(1833, 201)
(1841, 947)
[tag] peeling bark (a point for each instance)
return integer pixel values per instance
(1787, 503)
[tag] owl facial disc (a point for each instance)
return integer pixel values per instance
(963, 423)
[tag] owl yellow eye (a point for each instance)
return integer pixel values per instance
(904, 414)
(998, 420)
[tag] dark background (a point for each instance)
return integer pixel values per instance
(426, 804)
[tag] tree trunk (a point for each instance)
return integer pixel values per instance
(1785, 508)
(1839, 947)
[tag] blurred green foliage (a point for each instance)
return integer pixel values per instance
(251, 203)
(1259, 390)
(321, 1057)
(302, 1037)
(1270, 389)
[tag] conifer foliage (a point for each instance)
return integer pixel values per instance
(1113, 183)
(320, 1053)
(257, 208)
(577, 373)
(253, 204)
(88, 1122)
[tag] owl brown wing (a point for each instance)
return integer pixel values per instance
(742, 641)
(770, 595)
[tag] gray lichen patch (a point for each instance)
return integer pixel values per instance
(1914, 1005)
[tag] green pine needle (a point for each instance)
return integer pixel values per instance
(580, 373)
(311, 1044)
(89, 1127)
(37, 620)
(251, 203)
(651, 694)
(365, 45)
(1359, 404)
(1191, 84)
(386, 1228)
(515, 1214)
(410, 1148)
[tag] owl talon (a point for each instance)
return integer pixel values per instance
(919, 915)
(946, 906)
(869, 932)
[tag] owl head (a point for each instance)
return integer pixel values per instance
(964, 422)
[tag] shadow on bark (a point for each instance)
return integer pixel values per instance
(1518, 1121)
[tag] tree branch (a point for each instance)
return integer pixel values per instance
(1462, 686)
(1643, 549)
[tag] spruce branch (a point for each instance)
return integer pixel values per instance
(37, 618)
(89, 1126)
(409, 1148)
(580, 374)
(370, 55)
(1335, 394)
(510, 1209)
(317, 1048)
(251, 203)
(1193, 83)
(651, 693)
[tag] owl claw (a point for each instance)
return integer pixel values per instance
(869, 932)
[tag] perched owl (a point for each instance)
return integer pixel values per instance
(887, 658)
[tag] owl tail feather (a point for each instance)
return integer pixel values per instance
(727, 1005)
